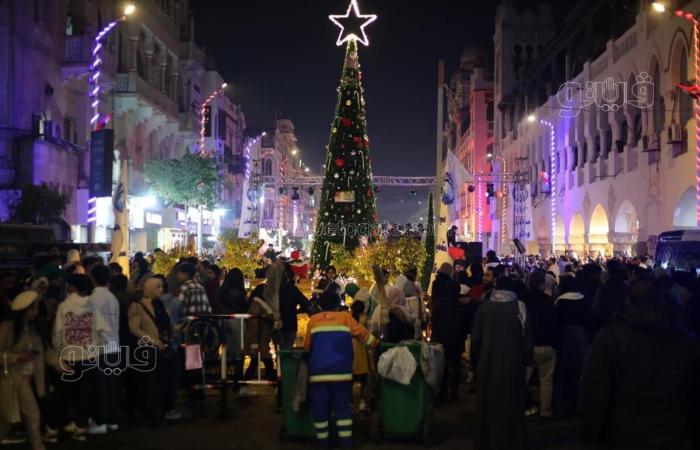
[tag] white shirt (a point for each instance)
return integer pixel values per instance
(108, 305)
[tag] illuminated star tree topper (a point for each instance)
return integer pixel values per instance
(352, 24)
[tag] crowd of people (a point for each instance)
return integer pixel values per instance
(612, 342)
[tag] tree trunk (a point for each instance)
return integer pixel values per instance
(199, 232)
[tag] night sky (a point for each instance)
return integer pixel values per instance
(279, 56)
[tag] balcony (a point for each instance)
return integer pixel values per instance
(76, 56)
(132, 85)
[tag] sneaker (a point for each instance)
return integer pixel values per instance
(363, 407)
(173, 414)
(532, 411)
(97, 429)
(51, 436)
(79, 434)
(12, 440)
(112, 427)
(246, 392)
(70, 428)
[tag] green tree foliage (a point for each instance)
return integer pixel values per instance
(347, 206)
(190, 180)
(40, 204)
(429, 247)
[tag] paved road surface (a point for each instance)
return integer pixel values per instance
(252, 424)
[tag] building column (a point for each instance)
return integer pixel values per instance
(134, 54)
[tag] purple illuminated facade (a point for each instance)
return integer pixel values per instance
(68, 67)
(618, 175)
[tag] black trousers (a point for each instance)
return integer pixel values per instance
(108, 386)
(158, 389)
(450, 378)
(73, 397)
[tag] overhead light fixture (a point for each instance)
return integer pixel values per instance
(531, 118)
(129, 9)
(658, 7)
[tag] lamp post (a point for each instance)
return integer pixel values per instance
(203, 153)
(203, 118)
(97, 121)
(552, 177)
(94, 91)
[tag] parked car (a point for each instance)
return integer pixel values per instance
(678, 250)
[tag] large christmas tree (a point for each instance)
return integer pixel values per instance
(347, 208)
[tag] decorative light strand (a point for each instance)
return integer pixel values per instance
(552, 181)
(696, 45)
(203, 118)
(94, 79)
(479, 213)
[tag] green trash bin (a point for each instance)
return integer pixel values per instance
(295, 424)
(406, 411)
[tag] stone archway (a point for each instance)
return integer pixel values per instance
(684, 214)
(577, 234)
(598, 233)
(626, 228)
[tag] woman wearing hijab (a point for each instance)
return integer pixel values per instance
(150, 321)
(22, 353)
(400, 325)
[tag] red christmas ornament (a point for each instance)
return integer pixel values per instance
(345, 121)
(340, 162)
(357, 140)
(369, 192)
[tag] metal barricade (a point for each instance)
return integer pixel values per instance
(208, 331)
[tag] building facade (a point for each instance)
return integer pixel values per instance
(153, 80)
(609, 159)
(470, 136)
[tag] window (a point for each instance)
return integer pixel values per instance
(267, 167)
(624, 131)
(637, 126)
(574, 159)
(585, 154)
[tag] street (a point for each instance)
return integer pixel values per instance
(253, 424)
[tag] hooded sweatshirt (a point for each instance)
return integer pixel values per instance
(78, 326)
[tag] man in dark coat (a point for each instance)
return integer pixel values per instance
(448, 327)
(609, 302)
(544, 324)
(501, 348)
(640, 387)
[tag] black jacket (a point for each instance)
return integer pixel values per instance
(543, 318)
(609, 302)
(292, 302)
(640, 386)
(447, 319)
